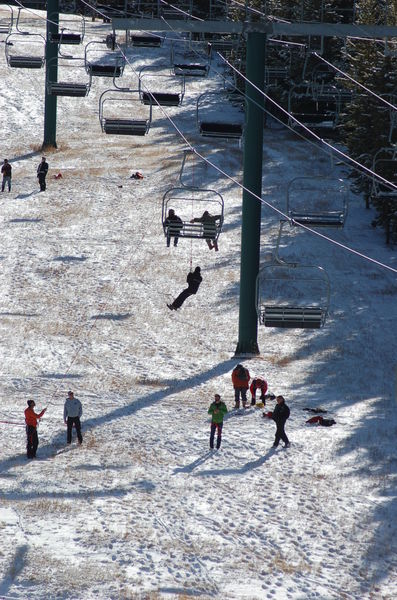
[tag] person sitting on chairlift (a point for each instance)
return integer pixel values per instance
(174, 225)
(209, 228)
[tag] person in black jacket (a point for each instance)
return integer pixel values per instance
(6, 171)
(173, 225)
(193, 283)
(280, 415)
(42, 171)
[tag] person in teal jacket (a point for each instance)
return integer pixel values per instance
(217, 410)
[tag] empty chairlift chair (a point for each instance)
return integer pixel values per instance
(189, 61)
(68, 34)
(68, 86)
(217, 118)
(292, 296)
(385, 165)
(121, 113)
(160, 89)
(99, 63)
(146, 40)
(188, 204)
(317, 202)
(317, 109)
(25, 50)
(6, 20)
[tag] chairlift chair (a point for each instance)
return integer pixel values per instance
(67, 36)
(163, 89)
(214, 124)
(35, 44)
(314, 110)
(385, 165)
(317, 202)
(73, 88)
(146, 40)
(6, 21)
(121, 125)
(101, 66)
(292, 296)
(188, 63)
(189, 203)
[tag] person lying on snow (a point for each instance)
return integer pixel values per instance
(321, 421)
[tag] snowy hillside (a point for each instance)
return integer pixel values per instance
(143, 510)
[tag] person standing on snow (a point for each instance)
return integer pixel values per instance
(240, 379)
(6, 171)
(31, 418)
(193, 283)
(279, 415)
(217, 410)
(42, 171)
(258, 383)
(72, 412)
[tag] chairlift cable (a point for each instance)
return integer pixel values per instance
(368, 171)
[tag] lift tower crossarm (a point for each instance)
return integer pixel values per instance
(340, 30)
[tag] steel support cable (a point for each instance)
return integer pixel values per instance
(357, 164)
(322, 141)
(262, 200)
(389, 104)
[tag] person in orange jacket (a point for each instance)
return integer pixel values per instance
(258, 383)
(240, 379)
(31, 419)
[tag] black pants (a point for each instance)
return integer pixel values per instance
(76, 422)
(177, 303)
(32, 441)
(214, 427)
(169, 236)
(41, 177)
(237, 392)
(280, 434)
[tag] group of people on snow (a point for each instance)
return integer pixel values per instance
(241, 384)
(6, 171)
(72, 412)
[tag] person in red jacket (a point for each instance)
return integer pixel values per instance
(258, 383)
(240, 379)
(31, 419)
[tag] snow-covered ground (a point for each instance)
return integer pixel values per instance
(142, 509)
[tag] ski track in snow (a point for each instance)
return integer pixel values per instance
(143, 509)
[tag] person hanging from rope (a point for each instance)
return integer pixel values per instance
(31, 419)
(209, 228)
(193, 283)
(173, 225)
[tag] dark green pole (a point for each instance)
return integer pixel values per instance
(51, 56)
(251, 214)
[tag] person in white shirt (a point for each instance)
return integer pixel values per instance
(71, 415)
